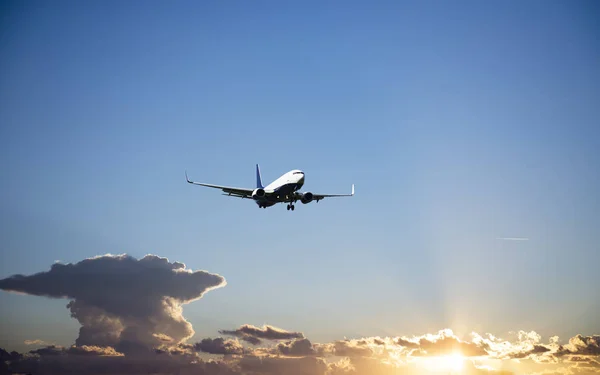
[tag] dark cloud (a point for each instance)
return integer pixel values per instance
(6, 356)
(157, 364)
(296, 348)
(50, 351)
(582, 345)
(253, 365)
(250, 339)
(164, 363)
(537, 349)
(253, 335)
(128, 304)
(408, 344)
(219, 346)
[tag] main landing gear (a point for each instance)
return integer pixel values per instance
(290, 207)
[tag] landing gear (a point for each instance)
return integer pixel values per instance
(290, 207)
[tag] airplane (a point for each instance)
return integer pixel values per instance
(285, 189)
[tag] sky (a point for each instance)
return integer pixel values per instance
(463, 125)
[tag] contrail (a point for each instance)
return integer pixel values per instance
(513, 238)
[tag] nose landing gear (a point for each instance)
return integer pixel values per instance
(290, 207)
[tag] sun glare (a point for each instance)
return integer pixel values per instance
(453, 363)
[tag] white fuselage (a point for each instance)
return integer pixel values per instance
(295, 177)
(282, 188)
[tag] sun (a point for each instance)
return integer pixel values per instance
(453, 363)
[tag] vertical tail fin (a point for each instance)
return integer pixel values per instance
(258, 178)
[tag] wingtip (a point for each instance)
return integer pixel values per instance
(352, 189)
(186, 177)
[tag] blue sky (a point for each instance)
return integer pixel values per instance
(459, 123)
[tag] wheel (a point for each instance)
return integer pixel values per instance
(293, 208)
(288, 207)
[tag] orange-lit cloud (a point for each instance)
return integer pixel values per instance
(144, 309)
(432, 353)
(255, 335)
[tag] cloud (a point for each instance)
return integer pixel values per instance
(582, 345)
(131, 316)
(36, 342)
(93, 350)
(117, 365)
(349, 348)
(445, 343)
(219, 346)
(407, 343)
(51, 350)
(296, 348)
(425, 354)
(128, 304)
(253, 365)
(6, 356)
(254, 335)
(86, 350)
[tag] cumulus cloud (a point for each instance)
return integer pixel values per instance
(253, 365)
(129, 304)
(407, 343)
(255, 335)
(219, 346)
(445, 342)
(350, 348)
(296, 348)
(49, 351)
(128, 307)
(582, 345)
(117, 365)
(426, 354)
(6, 356)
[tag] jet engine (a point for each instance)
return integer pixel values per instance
(258, 194)
(306, 198)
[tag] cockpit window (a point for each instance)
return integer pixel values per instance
(298, 173)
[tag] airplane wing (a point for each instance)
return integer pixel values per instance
(318, 197)
(233, 191)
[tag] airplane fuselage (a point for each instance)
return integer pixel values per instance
(282, 189)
